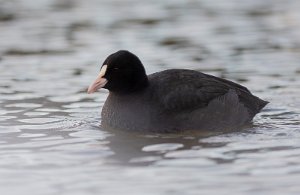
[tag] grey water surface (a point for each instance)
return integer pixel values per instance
(50, 139)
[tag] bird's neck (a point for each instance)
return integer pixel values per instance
(136, 86)
(140, 84)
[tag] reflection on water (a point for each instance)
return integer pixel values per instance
(51, 141)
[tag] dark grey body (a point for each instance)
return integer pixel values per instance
(178, 100)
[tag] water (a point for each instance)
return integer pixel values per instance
(50, 139)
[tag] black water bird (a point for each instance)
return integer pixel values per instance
(171, 100)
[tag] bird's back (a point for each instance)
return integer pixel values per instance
(181, 90)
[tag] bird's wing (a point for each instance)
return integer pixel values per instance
(182, 90)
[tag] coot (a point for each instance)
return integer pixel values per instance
(171, 100)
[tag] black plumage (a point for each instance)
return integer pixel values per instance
(172, 100)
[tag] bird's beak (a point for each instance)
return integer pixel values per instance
(99, 82)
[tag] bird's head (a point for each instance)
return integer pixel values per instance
(121, 72)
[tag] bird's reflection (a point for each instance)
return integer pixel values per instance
(130, 148)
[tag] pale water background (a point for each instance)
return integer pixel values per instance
(50, 139)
